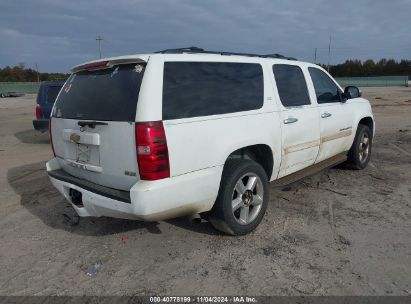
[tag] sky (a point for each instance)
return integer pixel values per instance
(56, 35)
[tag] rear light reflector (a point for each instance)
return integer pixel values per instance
(152, 150)
(39, 114)
(51, 138)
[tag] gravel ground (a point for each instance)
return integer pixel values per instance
(341, 232)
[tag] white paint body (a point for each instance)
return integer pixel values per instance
(198, 147)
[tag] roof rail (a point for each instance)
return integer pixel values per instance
(278, 56)
(58, 79)
(194, 49)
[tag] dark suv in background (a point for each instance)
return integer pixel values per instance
(46, 97)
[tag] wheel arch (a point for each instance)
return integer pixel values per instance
(260, 153)
(367, 121)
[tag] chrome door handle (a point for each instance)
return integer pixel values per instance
(290, 120)
(325, 115)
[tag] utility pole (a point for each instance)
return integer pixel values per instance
(37, 70)
(315, 55)
(329, 55)
(99, 39)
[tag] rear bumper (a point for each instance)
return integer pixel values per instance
(63, 176)
(186, 194)
(41, 124)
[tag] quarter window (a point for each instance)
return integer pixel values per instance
(194, 89)
(325, 89)
(291, 85)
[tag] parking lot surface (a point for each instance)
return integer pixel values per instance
(341, 232)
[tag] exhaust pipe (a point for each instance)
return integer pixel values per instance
(195, 218)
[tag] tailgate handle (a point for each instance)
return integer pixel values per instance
(92, 124)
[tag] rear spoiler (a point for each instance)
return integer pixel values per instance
(105, 64)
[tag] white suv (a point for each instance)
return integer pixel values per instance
(192, 132)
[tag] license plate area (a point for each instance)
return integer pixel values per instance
(83, 153)
(82, 147)
(83, 156)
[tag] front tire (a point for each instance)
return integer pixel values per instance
(360, 152)
(242, 199)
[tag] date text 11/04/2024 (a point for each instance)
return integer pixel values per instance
(203, 299)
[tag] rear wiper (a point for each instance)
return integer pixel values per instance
(91, 124)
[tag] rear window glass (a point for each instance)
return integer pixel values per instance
(291, 85)
(193, 89)
(108, 94)
(52, 92)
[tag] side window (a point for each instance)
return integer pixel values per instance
(194, 89)
(291, 85)
(325, 89)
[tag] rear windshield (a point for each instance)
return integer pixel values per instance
(52, 92)
(109, 94)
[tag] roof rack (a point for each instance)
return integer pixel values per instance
(194, 49)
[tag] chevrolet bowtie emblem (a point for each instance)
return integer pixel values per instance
(75, 137)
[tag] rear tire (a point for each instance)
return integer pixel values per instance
(242, 198)
(360, 152)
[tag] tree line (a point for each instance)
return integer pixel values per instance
(383, 67)
(20, 73)
(350, 68)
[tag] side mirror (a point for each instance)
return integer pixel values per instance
(352, 92)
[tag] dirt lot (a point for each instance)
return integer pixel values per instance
(340, 232)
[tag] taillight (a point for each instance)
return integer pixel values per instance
(51, 138)
(152, 151)
(39, 115)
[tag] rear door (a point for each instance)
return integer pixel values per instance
(299, 119)
(93, 123)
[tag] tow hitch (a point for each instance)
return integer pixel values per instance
(76, 197)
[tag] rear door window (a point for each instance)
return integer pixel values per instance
(194, 89)
(291, 85)
(108, 94)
